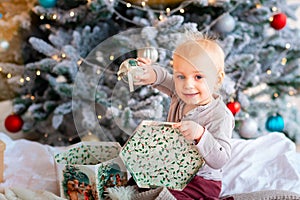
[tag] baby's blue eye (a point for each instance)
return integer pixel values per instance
(180, 77)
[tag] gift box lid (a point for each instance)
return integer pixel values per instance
(158, 155)
(88, 153)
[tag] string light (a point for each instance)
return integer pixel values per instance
(274, 9)
(9, 75)
(54, 16)
(283, 61)
(291, 93)
(47, 26)
(168, 10)
(27, 78)
(42, 17)
(22, 80)
(99, 117)
(38, 72)
(276, 95)
(269, 72)
(258, 5)
(72, 14)
(79, 62)
(111, 57)
(288, 45)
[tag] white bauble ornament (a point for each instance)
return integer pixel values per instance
(225, 24)
(148, 52)
(248, 129)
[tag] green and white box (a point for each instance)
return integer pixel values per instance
(86, 169)
(158, 155)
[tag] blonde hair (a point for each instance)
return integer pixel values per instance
(193, 44)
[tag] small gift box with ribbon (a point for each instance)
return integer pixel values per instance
(87, 169)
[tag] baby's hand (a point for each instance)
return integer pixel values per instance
(148, 76)
(190, 130)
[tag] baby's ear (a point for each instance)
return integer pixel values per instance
(221, 75)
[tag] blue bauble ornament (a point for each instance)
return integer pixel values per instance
(275, 123)
(47, 3)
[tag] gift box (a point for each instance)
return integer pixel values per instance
(158, 155)
(86, 170)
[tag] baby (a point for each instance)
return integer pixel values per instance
(200, 113)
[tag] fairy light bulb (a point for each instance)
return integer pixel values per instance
(161, 17)
(269, 72)
(143, 3)
(128, 5)
(111, 57)
(168, 10)
(32, 97)
(283, 61)
(291, 92)
(38, 72)
(63, 55)
(181, 10)
(9, 75)
(54, 16)
(72, 14)
(22, 80)
(99, 117)
(258, 5)
(276, 95)
(27, 78)
(274, 9)
(79, 62)
(42, 17)
(55, 57)
(47, 26)
(288, 46)
(0, 69)
(120, 106)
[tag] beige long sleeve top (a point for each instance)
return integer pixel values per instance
(215, 117)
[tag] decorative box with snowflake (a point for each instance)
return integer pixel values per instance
(158, 155)
(85, 170)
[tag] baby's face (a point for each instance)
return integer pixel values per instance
(198, 69)
(191, 84)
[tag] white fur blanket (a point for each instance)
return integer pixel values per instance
(268, 162)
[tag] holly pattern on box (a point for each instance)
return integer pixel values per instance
(158, 155)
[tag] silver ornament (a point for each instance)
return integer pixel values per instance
(225, 24)
(149, 53)
(248, 129)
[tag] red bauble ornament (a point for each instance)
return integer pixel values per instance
(279, 21)
(234, 107)
(13, 123)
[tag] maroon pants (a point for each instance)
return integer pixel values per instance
(199, 188)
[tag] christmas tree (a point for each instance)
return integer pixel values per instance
(70, 88)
